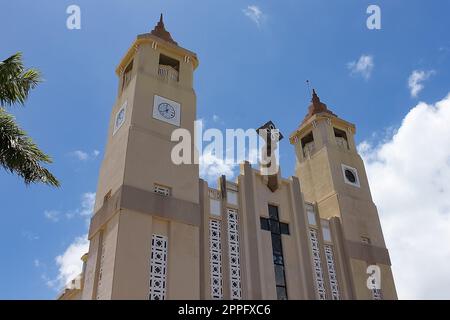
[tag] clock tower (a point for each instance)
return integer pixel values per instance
(145, 228)
(333, 180)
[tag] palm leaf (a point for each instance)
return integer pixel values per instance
(20, 155)
(15, 81)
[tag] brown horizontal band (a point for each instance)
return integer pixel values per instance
(147, 202)
(367, 252)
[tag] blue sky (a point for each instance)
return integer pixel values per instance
(254, 59)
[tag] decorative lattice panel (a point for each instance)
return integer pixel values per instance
(158, 268)
(233, 250)
(215, 259)
(317, 264)
(376, 294)
(162, 190)
(329, 257)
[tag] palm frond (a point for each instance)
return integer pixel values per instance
(16, 81)
(20, 155)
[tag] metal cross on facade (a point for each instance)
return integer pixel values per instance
(276, 229)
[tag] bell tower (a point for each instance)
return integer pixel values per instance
(333, 179)
(144, 234)
(155, 96)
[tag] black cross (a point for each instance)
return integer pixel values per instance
(273, 224)
(276, 229)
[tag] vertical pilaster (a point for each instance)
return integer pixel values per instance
(251, 227)
(302, 239)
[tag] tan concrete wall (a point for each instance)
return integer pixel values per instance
(250, 226)
(258, 265)
(91, 267)
(205, 273)
(91, 288)
(132, 264)
(110, 237)
(184, 262)
(280, 198)
(71, 294)
(132, 273)
(315, 176)
(113, 165)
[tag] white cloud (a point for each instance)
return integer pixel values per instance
(52, 215)
(409, 174)
(255, 14)
(80, 155)
(87, 204)
(31, 236)
(85, 156)
(363, 67)
(217, 120)
(416, 79)
(85, 210)
(69, 263)
(212, 167)
(37, 263)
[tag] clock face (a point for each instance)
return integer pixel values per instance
(166, 110)
(350, 176)
(120, 117)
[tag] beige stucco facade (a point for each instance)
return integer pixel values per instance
(160, 232)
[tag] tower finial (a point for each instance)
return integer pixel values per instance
(315, 98)
(316, 106)
(161, 32)
(308, 85)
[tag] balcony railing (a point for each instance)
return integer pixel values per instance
(167, 73)
(309, 149)
(341, 142)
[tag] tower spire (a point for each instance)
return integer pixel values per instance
(315, 99)
(316, 106)
(161, 32)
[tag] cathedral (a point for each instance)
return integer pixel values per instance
(160, 232)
